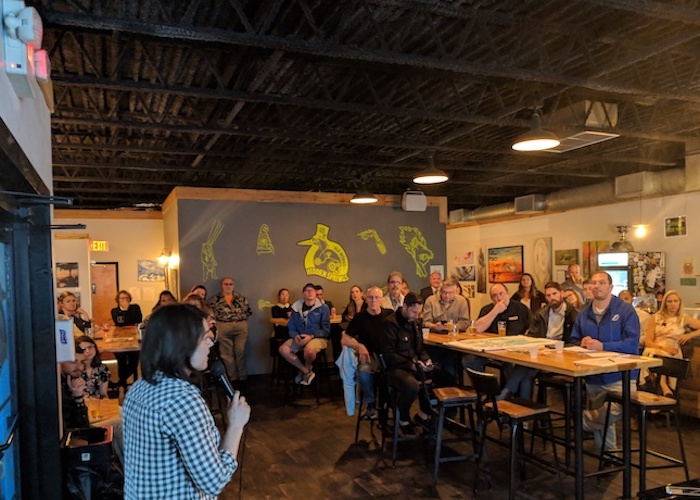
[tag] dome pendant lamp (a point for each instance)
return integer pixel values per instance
(430, 175)
(536, 139)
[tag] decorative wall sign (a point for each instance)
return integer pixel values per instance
(415, 244)
(207, 254)
(675, 226)
(264, 244)
(468, 290)
(505, 264)
(481, 273)
(324, 257)
(464, 273)
(368, 234)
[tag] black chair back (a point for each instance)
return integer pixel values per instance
(672, 367)
(484, 383)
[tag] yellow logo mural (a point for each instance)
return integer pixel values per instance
(372, 234)
(262, 304)
(207, 255)
(264, 241)
(325, 258)
(414, 242)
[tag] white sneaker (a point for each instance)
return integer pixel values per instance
(308, 378)
(297, 379)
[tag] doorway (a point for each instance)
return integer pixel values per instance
(104, 285)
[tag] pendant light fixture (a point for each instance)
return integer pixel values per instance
(363, 197)
(536, 139)
(430, 175)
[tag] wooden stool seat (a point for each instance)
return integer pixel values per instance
(643, 398)
(517, 408)
(454, 395)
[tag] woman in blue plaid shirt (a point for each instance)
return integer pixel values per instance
(172, 446)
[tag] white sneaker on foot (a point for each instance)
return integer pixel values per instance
(308, 378)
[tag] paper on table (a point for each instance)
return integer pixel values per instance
(611, 360)
(578, 349)
(602, 354)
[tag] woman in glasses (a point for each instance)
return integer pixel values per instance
(172, 446)
(95, 372)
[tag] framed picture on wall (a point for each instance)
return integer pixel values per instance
(505, 264)
(566, 257)
(150, 270)
(67, 275)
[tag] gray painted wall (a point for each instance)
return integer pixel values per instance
(258, 276)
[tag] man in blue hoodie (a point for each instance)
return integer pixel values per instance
(605, 324)
(309, 328)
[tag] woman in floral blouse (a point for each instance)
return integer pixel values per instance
(96, 373)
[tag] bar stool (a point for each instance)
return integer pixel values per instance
(565, 384)
(646, 402)
(507, 412)
(452, 397)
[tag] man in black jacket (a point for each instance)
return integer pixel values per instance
(401, 345)
(557, 319)
(75, 413)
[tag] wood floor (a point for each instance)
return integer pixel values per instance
(300, 451)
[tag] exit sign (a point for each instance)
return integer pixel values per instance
(99, 246)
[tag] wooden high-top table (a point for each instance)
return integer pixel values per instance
(549, 360)
(118, 339)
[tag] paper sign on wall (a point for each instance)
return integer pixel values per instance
(65, 348)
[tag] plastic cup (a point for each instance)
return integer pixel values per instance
(559, 346)
(502, 328)
(426, 332)
(534, 351)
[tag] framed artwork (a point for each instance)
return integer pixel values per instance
(67, 275)
(505, 264)
(150, 270)
(468, 290)
(481, 273)
(565, 257)
(464, 273)
(542, 261)
(675, 226)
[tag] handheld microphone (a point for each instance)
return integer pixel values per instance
(219, 371)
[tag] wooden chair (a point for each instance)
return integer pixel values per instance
(512, 413)
(645, 402)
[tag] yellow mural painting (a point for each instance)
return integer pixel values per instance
(372, 234)
(415, 244)
(262, 304)
(265, 245)
(207, 255)
(324, 257)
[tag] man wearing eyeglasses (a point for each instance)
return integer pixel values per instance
(394, 299)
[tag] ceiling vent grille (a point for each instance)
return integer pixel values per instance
(581, 140)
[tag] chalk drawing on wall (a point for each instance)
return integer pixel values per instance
(262, 304)
(414, 242)
(372, 234)
(324, 257)
(264, 245)
(207, 255)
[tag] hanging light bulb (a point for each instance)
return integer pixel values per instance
(640, 230)
(535, 139)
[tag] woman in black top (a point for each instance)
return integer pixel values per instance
(528, 294)
(355, 305)
(126, 314)
(68, 306)
(283, 310)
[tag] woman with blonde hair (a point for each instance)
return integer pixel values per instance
(667, 331)
(68, 306)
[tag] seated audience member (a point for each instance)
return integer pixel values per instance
(557, 319)
(200, 290)
(328, 303)
(401, 345)
(355, 305)
(126, 314)
(517, 319)
(606, 324)
(165, 297)
(574, 280)
(668, 330)
(282, 310)
(394, 298)
(362, 335)
(95, 372)
(435, 280)
(587, 291)
(75, 412)
(644, 316)
(309, 329)
(446, 307)
(405, 289)
(528, 294)
(573, 298)
(173, 448)
(73, 393)
(68, 306)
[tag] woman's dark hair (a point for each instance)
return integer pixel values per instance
(197, 287)
(282, 290)
(171, 337)
(97, 360)
(164, 292)
(533, 288)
